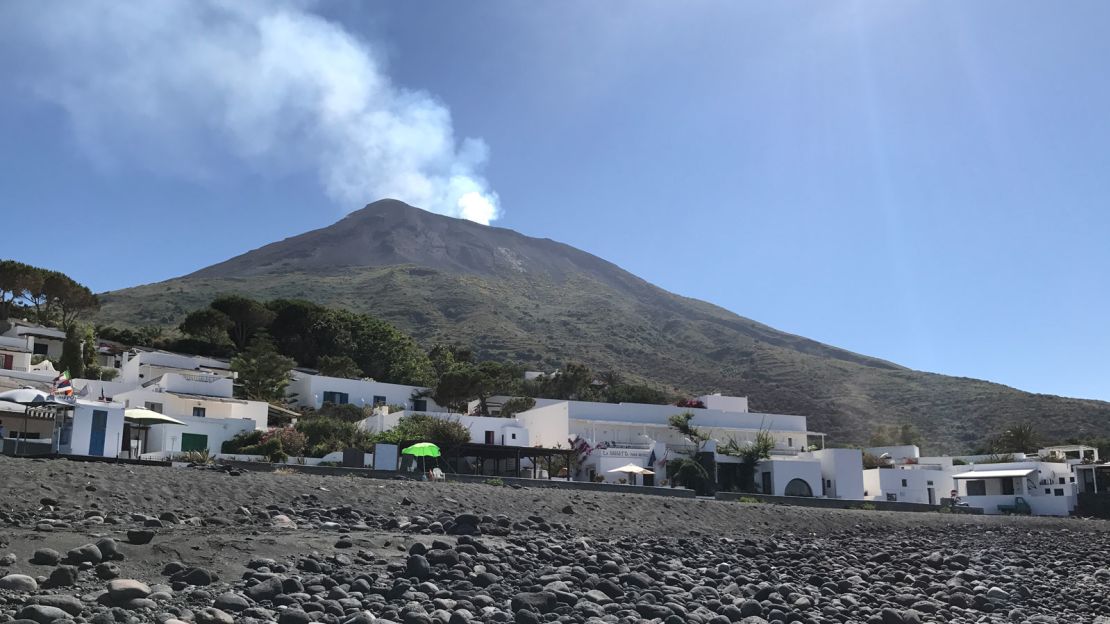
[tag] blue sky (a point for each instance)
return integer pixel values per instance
(920, 181)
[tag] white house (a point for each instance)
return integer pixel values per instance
(15, 353)
(312, 391)
(196, 390)
(617, 434)
(483, 429)
(44, 341)
(66, 426)
(1047, 481)
(139, 366)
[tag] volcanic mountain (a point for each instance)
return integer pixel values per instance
(542, 303)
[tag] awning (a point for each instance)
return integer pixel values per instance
(143, 416)
(988, 474)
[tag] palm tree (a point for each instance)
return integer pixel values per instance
(1019, 438)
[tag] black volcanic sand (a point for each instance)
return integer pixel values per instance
(260, 547)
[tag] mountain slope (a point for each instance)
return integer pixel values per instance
(541, 303)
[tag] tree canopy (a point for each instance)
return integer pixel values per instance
(49, 297)
(263, 373)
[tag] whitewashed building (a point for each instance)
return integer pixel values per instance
(44, 341)
(195, 390)
(307, 390)
(621, 433)
(66, 426)
(1045, 481)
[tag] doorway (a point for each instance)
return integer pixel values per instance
(765, 483)
(96, 438)
(932, 496)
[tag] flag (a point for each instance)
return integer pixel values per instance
(84, 391)
(651, 458)
(62, 384)
(663, 462)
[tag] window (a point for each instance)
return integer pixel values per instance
(1058, 492)
(198, 412)
(489, 437)
(929, 482)
(790, 442)
(1062, 481)
(41, 348)
(976, 488)
(1007, 487)
(903, 483)
(420, 405)
(154, 407)
(1047, 491)
(379, 400)
(514, 436)
(335, 398)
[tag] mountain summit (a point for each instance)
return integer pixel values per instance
(542, 303)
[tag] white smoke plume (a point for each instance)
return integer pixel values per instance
(181, 86)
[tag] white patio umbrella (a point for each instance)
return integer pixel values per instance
(145, 418)
(634, 469)
(25, 396)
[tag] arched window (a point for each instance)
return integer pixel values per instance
(798, 487)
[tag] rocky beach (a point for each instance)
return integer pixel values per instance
(103, 543)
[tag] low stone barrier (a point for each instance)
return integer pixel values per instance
(465, 478)
(837, 503)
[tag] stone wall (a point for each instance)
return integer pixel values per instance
(836, 503)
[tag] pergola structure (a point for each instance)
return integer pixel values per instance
(58, 414)
(483, 453)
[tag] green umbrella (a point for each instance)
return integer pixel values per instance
(422, 450)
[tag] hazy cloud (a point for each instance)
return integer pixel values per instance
(181, 86)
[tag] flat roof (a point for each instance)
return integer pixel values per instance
(987, 474)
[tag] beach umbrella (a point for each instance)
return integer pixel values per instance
(634, 469)
(422, 450)
(145, 418)
(631, 469)
(25, 396)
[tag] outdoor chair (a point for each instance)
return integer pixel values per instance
(437, 475)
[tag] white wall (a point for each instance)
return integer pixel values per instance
(547, 426)
(880, 482)
(601, 461)
(724, 403)
(842, 470)
(181, 406)
(143, 366)
(168, 437)
(901, 451)
(81, 433)
(507, 431)
(310, 391)
(202, 383)
(20, 351)
(785, 470)
(659, 414)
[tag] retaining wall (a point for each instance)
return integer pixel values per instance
(836, 503)
(464, 478)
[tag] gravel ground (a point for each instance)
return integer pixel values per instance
(100, 543)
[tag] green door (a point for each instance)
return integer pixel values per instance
(193, 442)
